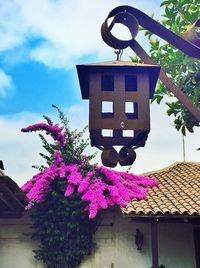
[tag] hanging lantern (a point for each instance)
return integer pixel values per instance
(118, 93)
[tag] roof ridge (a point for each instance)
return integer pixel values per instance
(171, 166)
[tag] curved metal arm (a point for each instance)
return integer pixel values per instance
(132, 17)
(178, 92)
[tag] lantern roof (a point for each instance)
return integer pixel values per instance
(126, 67)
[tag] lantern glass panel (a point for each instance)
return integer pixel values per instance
(130, 82)
(131, 110)
(107, 107)
(107, 132)
(127, 133)
(129, 107)
(107, 83)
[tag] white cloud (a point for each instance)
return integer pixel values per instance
(70, 30)
(6, 83)
(20, 151)
(13, 28)
(164, 145)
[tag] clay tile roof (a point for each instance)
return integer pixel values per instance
(176, 194)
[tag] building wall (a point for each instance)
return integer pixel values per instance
(115, 245)
(15, 246)
(176, 246)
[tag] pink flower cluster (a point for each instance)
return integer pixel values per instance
(99, 187)
(54, 130)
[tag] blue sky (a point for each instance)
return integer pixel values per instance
(41, 43)
(35, 87)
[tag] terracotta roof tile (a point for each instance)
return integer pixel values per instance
(177, 193)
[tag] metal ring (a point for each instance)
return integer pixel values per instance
(124, 18)
(132, 17)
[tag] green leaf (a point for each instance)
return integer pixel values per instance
(164, 3)
(159, 99)
(183, 130)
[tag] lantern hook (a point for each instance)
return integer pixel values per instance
(119, 53)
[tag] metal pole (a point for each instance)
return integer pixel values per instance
(183, 147)
(154, 245)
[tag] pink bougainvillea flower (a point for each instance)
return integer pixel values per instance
(69, 190)
(54, 130)
(99, 188)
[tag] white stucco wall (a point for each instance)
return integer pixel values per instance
(15, 247)
(176, 247)
(115, 245)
